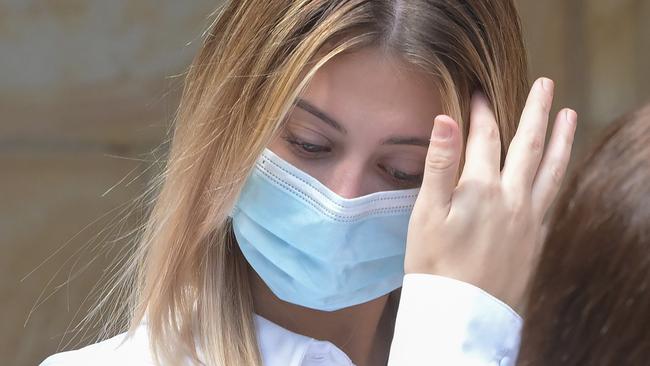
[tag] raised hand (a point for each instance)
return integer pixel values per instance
(486, 227)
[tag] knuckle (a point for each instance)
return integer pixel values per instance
(535, 143)
(556, 173)
(486, 129)
(517, 208)
(483, 190)
(439, 162)
(491, 189)
(491, 132)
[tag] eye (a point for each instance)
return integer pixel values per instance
(402, 178)
(304, 147)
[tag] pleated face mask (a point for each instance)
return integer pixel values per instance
(315, 248)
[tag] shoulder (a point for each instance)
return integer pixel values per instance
(278, 347)
(121, 350)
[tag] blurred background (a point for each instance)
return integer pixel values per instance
(87, 92)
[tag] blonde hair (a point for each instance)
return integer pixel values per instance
(256, 58)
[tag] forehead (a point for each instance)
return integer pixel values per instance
(372, 88)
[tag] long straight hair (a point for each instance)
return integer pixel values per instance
(590, 296)
(191, 283)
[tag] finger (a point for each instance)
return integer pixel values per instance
(441, 167)
(483, 151)
(526, 148)
(554, 164)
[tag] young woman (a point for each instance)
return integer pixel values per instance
(589, 298)
(287, 215)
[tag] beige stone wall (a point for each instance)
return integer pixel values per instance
(597, 51)
(86, 91)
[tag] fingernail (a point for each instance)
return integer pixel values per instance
(571, 116)
(441, 130)
(547, 84)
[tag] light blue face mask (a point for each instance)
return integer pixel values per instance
(315, 248)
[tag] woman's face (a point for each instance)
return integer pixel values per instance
(363, 124)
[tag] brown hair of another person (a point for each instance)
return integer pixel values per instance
(590, 296)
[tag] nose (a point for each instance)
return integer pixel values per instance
(346, 178)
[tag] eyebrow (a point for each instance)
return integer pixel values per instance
(395, 140)
(405, 140)
(308, 107)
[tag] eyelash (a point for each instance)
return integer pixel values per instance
(405, 178)
(305, 148)
(301, 145)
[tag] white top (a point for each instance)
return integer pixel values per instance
(440, 321)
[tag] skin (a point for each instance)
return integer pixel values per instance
(486, 228)
(384, 109)
(385, 140)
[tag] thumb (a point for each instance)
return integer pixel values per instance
(441, 165)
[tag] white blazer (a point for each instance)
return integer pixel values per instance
(440, 321)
